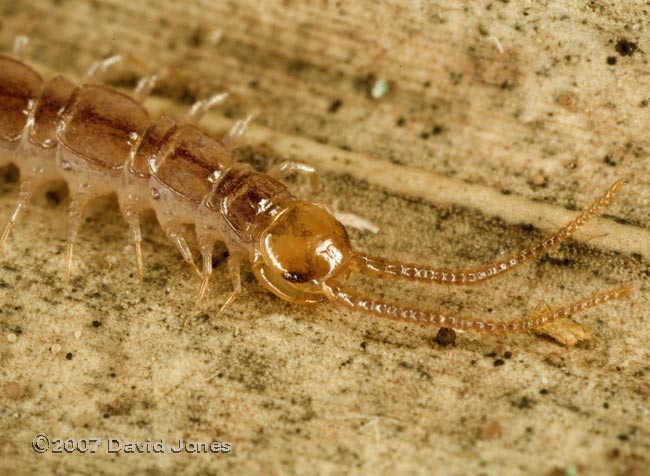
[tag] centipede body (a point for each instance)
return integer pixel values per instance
(102, 141)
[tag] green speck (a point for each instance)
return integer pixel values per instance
(571, 471)
(379, 89)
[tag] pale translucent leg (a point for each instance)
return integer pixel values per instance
(98, 69)
(200, 108)
(206, 254)
(175, 233)
(133, 219)
(27, 189)
(234, 269)
(144, 87)
(75, 216)
(351, 220)
(289, 167)
(21, 48)
(232, 139)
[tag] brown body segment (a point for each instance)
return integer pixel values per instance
(48, 111)
(101, 125)
(20, 86)
(248, 200)
(187, 160)
(149, 146)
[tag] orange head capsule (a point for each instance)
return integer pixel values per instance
(301, 249)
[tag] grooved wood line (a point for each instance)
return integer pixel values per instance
(501, 120)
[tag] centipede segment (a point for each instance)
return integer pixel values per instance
(102, 141)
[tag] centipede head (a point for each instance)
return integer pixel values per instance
(303, 247)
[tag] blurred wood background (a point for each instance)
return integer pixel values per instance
(498, 120)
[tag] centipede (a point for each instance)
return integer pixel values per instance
(102, 141)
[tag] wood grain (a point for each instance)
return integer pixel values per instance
(501, 119)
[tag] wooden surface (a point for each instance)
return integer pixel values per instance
(498, 116)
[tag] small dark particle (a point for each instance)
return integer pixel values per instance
(611, 60)
(363, 345)
(507, 354)
(623, 437)
(97, 323)
(524, 403)
(609, 161)
(335, 106)
(400, 122)
(424, 135)
(644, 103)
(543, 391)
(499, 362)
(53, 197)
(606, 405)
(68, 356)
(625, 47)
(195, 39)
(436, 130)
(446, 336)
(615, 453)
(11, 174)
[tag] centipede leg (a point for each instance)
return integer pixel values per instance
(133, 220)
(234, 269)
(21, 48)
(144, 87)
(289, 167)
(77, 208)
(176, 236)
(206, 254)
(233, 138)
(27, 189)
(200, 108)
(99, 68)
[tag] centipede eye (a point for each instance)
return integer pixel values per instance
(305, 244)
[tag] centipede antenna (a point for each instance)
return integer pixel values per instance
(233, 138)
(75, 214)
(378, 308)
(27, 189)
(200, 108)
(415, 272)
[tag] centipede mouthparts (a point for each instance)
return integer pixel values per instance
(102, 141)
